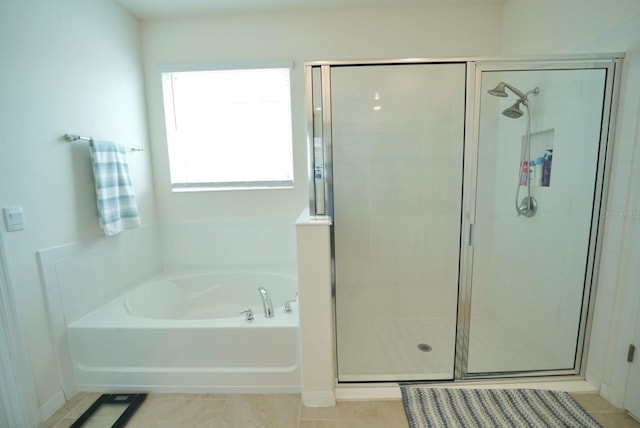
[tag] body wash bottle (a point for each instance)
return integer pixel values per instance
(538, 173)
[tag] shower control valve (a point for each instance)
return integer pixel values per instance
(249, 313)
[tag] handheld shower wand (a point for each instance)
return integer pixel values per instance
(528, 206)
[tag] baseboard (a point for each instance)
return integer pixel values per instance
(52, 405)
(365, 393)
(319, 399)
(355, 392)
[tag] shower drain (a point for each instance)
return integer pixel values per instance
(424, 347)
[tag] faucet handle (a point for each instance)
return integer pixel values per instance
(287, 306)
(249, 313)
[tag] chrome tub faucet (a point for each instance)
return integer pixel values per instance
(266, 302)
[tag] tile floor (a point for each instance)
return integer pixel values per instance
(277, 411)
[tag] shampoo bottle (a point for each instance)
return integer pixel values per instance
(546, 168)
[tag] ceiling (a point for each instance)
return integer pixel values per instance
(164, 9)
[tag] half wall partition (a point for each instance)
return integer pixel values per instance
(466, 198)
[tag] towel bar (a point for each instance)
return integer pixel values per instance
(73, 137)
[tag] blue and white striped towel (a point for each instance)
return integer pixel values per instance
(117, 206)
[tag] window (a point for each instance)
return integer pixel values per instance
(229, 129)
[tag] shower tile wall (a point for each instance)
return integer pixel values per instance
(88, 274)
(229, 243)
(530, 271)
(79, 277)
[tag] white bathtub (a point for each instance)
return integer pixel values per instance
(183, 332)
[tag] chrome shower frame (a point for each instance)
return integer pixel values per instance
(612, 63)
(321, 119)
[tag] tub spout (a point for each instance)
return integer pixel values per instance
(266, 302)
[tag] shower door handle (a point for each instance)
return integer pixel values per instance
(472, 239)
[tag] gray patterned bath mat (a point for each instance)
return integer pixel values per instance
(492, 408)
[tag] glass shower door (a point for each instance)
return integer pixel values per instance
(533, 258)
(397, 151)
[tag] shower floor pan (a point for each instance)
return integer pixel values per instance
(408, 350)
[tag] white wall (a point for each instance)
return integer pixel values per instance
(364, 33)
(18, 403)
(574, 26)
(560, 26)
(71, 66)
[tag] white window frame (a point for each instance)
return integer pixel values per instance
(179, 177)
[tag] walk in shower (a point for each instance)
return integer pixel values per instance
(419, 162)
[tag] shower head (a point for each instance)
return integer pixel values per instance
(499, 91)
(514, 111)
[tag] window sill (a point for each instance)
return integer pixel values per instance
(224, 187)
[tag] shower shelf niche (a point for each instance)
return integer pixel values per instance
(540, 163)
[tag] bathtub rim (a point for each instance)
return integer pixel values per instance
(114, 315)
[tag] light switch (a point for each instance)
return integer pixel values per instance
(14, 218)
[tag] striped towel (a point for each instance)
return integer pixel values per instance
(117, 206)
